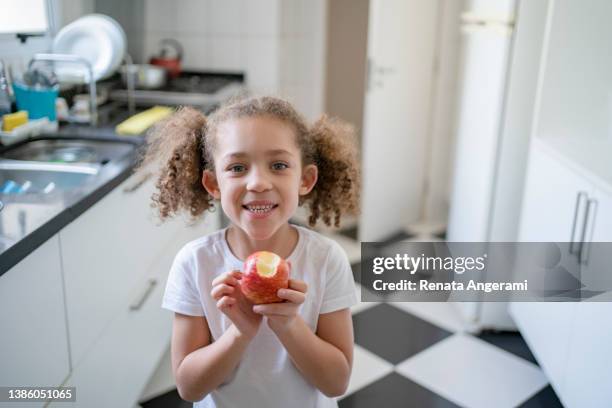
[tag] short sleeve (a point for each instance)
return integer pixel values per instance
(182, 295)
(340, 291)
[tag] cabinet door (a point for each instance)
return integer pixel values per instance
(549, 208)
(589, 364)
(550, 198)
(119, 365)
(105, 252)
(34, 344)
(590, 358)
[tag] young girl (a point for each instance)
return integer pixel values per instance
(261, 160)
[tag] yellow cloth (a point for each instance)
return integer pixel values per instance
(12, 120)
(137, 124)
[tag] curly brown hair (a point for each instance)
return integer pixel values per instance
(182, 146)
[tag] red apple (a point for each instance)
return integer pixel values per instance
(264, 274)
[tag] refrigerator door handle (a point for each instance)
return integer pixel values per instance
(579, 199)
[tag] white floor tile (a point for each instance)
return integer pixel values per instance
(441, 314)
(367, 368)
(473, 373)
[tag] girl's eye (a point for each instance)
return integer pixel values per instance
(280, 166)
(237, 168)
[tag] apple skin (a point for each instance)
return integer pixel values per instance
(260, 288)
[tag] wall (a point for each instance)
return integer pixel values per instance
(303, 35)
(347, 28)
(278, 44)
(131, 17)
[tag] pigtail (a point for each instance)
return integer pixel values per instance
(334, 150)
(176, 155)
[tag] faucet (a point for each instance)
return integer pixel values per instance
(93, 106)
(130, 84)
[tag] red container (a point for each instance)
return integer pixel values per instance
(165, 59)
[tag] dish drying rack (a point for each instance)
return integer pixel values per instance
(43, 125)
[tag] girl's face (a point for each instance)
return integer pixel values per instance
(258, 174)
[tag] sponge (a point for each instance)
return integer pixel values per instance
(137, 124)
(12, 120)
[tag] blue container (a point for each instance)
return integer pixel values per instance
(38, 102)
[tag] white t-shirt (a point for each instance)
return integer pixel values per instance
(266, 376)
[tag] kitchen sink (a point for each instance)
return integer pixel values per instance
(47, 164)
(69, 151)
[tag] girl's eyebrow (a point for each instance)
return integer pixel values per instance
(240, 155)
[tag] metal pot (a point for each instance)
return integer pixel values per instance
(145, 76)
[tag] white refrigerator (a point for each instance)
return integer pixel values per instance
(500, 55)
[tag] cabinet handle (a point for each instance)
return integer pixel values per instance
(138, 183)
(583, 256)
(145, 294)
(577, 207)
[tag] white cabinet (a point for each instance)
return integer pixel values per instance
(551, 196)
(571, 341)
(34, 344)
(589, 364)
(118, 363)
(105, 253)
(548, 216)
(117, 367)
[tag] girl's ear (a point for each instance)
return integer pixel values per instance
(309, 178)
(209, 181)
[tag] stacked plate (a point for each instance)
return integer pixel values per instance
(95, 37)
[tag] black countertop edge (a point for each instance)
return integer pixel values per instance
(28, 244)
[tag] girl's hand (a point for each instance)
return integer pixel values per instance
(282, 315)
(230, 300)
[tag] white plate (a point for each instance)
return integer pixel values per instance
(96, 38)
(115, 31)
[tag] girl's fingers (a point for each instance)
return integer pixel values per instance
(275, 309)
(298, 285)
(225, 302)
(292, 296)
(220, 290)
(230, 278)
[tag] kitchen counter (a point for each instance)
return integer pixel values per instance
(30, 225)
(38, 221)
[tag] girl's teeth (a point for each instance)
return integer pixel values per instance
(260, 209)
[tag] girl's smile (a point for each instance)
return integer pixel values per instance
(260, 208)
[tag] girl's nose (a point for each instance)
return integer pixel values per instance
(258, 181)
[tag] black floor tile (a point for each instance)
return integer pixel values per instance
(512, 342)
(393, 334)
(394, 391)
(171, 399)
(543, 399)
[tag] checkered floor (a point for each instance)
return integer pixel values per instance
(420, 355)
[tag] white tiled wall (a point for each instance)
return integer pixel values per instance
(302, 64)
(278, 44)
